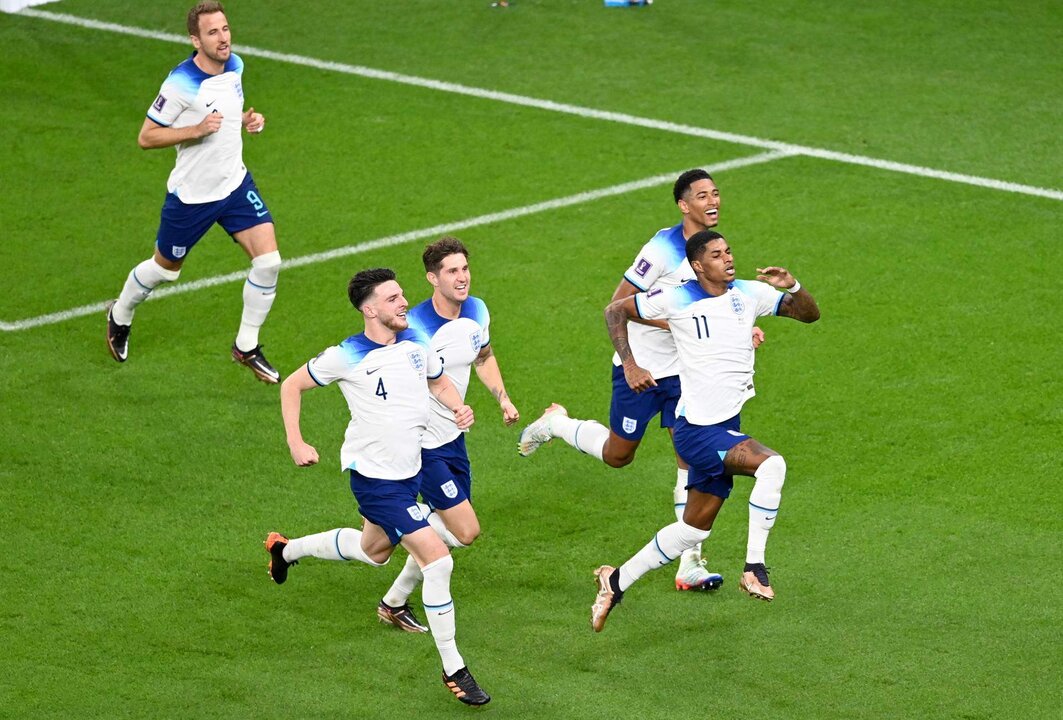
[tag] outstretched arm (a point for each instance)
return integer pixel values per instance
(446, 393)
(292, 390)
(617, 313)
(491, 376)
(798, 305)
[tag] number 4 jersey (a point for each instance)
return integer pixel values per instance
(386, 387)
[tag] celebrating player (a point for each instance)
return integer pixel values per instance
(711, 319)
(661, 263)
(382, 373)
(200, 109)
(458, 326)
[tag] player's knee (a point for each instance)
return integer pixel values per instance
(379, 557)
(773, 470)
(265, 269)
(690, 535)
(617, 458)
(466, 535)
(156, 274)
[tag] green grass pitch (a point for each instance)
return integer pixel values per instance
(917, 556)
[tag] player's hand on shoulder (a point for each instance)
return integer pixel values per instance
(777, 277)
(509, 412)
(303, 454)
(638, 379)
(463, 417)
(253, 121)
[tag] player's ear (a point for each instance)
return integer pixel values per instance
(432, 278)
(697, 267)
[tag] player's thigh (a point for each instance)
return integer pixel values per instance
(181, 226)
(745, 457)
(446, 475)
(425, 546)
(678, 459)
(630, 414)
(247, 219)
(375, 542)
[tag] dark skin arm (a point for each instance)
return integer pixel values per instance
(799, 305)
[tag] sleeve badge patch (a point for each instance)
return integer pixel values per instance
(159, 103)
(641, 267)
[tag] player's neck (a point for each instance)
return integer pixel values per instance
(690, 227)
(715, 289)
(449, 309)
(379, 333)
(210, 67)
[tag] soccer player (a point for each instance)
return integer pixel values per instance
(458, 328)
(382, 373)
(200, 110)
(711, 319)
(661, 263)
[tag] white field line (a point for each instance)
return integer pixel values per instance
(572, 109)
(429, 232)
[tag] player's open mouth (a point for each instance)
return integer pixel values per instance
(460, 287)
(713, 213)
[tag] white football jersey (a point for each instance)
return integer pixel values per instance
(456, 343)
(661, 263)
(714, 339)
(210, 168)
(386, 387)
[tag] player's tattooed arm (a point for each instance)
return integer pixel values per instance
(617, 313)
(491, 376)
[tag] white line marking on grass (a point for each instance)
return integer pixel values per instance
(591, 113)
(435, 231)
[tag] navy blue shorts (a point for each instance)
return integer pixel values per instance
(391, 504)
(446, 477)
(183, 225)
(703, 448)
(631, 412)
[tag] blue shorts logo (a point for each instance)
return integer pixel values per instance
(179, 251)
(630, 424)
(415, 512)
(449, 489)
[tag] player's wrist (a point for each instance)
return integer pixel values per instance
(795, 287)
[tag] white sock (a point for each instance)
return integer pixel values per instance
(141, 280)
(260, 290)
(339, 544)
(764, 505)
(587, 436)
(665, 547)
(439, 608)
(679, 496)
(404, 584)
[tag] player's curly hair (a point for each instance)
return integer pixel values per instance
(684, 181)
(442, 248)
(203, 8)
(364, 283)
(696, 243)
